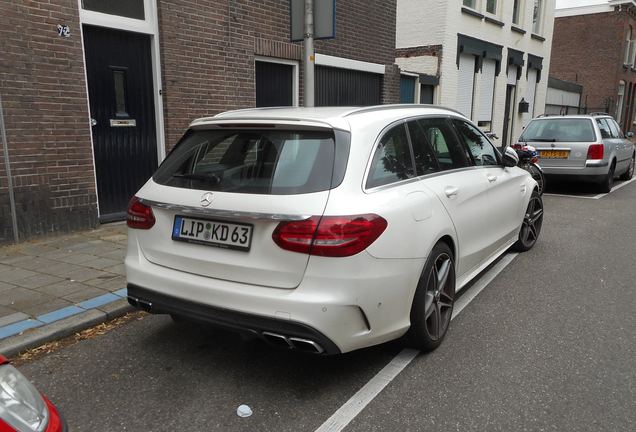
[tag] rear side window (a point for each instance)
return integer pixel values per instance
(392, 160)
(604, 127)
(450, 154)
(425, 160)
(560, 130)
(271, 162)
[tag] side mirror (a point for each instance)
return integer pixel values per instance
(510, 157)
(629, 134)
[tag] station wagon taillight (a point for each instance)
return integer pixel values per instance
(139, 215)
(330, 236)
(595, 151)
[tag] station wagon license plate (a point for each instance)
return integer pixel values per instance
(227, 235)
(554, 154)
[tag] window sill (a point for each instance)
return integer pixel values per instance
(494, 21)
(519, 30)
(471, 12)
(537, 37)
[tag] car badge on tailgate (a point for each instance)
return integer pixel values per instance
(206, 199)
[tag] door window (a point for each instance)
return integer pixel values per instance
(392, 160)
(614, 129)
(447, 150)
(481, 151)
(425, 160)
(604, 127)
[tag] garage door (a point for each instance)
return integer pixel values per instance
(274, 84)
(342, 87)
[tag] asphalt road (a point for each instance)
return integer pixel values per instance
(549, 344)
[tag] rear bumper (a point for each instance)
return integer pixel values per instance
(154, 302)
(593, 169)
(344, 303)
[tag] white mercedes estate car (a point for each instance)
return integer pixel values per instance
(326, 230)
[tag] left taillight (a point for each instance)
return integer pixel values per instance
(139, 215)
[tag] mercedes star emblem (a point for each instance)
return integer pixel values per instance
(206, 199)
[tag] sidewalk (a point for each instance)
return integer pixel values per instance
(48, 280)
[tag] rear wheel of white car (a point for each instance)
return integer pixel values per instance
(433, 302)
(630, 171)
(531, 225)
(608, 180)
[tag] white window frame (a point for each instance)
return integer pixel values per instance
(476, 4)
(496, 11)
(296, 74)
(621, 99)
(537, 25)
(628, 46)
(520, 5)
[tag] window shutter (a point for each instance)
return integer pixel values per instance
(465, 83)
(487, 87)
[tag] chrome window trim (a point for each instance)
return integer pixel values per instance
(223, 214)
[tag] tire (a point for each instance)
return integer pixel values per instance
(627, 175)
(433, 304)
(608, 180)
(538, 176)
(531, 224)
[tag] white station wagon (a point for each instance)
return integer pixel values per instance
(326, 229)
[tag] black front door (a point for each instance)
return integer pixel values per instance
(119, 72)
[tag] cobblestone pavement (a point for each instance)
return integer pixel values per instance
(43, 275)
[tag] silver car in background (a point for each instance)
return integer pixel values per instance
(586, 147)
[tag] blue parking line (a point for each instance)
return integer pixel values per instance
(65, 312)
(122, 293)
(19, 327)
(98, 301)
(68, 311)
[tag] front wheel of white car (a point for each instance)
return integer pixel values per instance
(433, 302)
(531, 225)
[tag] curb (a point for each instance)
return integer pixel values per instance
(14, 345)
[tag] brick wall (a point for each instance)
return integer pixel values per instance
(208, 48)
(589, 50)
(46, 116)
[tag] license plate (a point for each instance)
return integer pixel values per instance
(226, 235)
(554, 154)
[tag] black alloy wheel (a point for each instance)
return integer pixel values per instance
(608, 180)
(630, 171)
(433, 302)
(531, 225)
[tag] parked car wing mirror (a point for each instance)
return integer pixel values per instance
(510, 157)
(629, 134)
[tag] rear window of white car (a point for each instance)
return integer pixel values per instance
(275, 162)
(559, 130)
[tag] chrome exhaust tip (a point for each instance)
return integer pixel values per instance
(306, 345)
(277, 340)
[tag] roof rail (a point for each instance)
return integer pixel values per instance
(394, 106)
(599, 113)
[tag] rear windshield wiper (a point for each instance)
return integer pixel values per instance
(200, 177)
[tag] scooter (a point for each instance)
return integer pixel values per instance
(528, 160)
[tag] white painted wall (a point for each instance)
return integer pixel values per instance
(421, 22)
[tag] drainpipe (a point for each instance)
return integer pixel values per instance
(7, 166)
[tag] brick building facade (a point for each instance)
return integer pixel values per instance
(595, 46)
(199, 58)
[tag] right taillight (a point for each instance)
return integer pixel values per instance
(330, 236)
(139, 215)
(595, 151)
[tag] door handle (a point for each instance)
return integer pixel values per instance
(451, 191)
(491, 178)
(93, 122)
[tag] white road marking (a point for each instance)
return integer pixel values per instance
(595, 197)
(350, 410)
